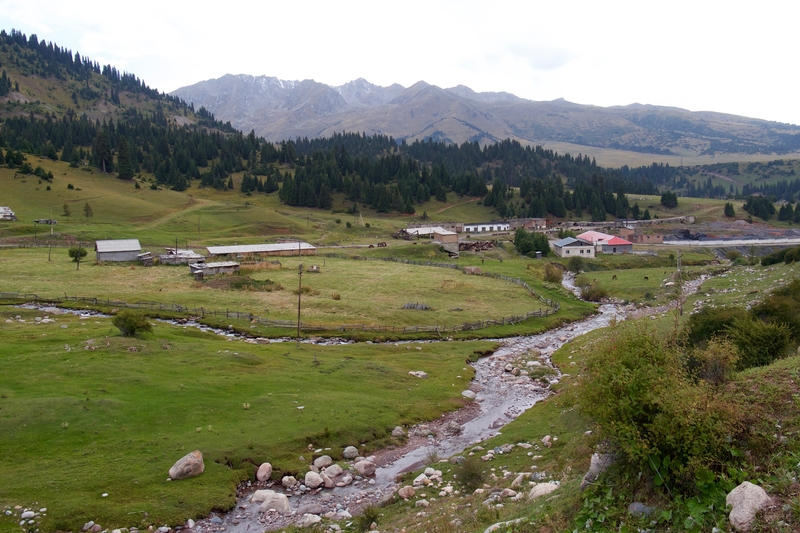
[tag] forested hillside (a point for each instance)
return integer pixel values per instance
(92, 115)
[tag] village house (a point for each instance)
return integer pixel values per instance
(572, 247)
(529, 224)
(637, 237)
(118, 250)
(616, 245)
(484, 227)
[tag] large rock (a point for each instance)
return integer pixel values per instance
(406, 492)
(289, 481)
(264, 472)
(313, 480)
(599, 464)
(398, 432)
(323, 461)
(747, 500)
(333, 471)
(189, 465)
(351, 452)
(542, 489)
(365, 468)
(310, 508)
(273, 501)
(468, 394)
(327, 481)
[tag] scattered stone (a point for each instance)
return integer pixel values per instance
(264, 472)
(189, 465)
(308, 520)
(333, 471)
(271, 500)
(421, 503)
(406, 492)
(327, 481)
(190, 523)
(508, 493)
(599, 464)
(87, 526)
(457, 459)
(638, 509)
(747, 500)
(96, 528)
(313, 480)
(468, 394)
(542, 489)
(419, 374)
(497, 526)
(365, 468)
(351, 452)
(398, 432)
(289, 481)
(27, 514)
(310, 508)
(323, 461)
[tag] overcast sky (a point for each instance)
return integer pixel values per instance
(733, 57)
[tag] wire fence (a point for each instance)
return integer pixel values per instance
(202, 312)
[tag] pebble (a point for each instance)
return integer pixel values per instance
(27, 514)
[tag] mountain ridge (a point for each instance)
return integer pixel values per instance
(286, 109)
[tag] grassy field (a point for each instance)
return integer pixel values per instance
(85, 412)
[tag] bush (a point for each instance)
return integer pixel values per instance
(576, 264)
(69, 186)
(759, 343)
(733, 255)
(131, 323)
(716, 363)
(348, 224)
(593, 292)
(702, 326)
(470, 473)
(77, 252)
(552, 273)
(638, 391)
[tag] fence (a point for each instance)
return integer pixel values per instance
(202, 312)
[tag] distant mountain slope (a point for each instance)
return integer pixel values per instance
(280, 110)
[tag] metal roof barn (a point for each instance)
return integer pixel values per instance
(285, 249)
(118, 250)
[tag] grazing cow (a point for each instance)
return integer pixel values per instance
(614, 276)
(371, 246)
(646, 278)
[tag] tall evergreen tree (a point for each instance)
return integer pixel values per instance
(124, 165)
(102, 151)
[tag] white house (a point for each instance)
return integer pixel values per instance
(572, 247)
(484, 227)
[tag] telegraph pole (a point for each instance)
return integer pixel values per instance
(299, 292)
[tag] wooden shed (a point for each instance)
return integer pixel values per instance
(118, 250)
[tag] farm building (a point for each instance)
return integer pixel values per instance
(483, 227)
(176, 256)
(528, 223)
(572, 247)
(209, 269)
(436, 233)
(616, 245)
(458, 227)
(118, 250)
(637, 237)
(7, 214)
(283, 248)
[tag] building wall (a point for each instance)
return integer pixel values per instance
(574, 251)
(445, 238)
(118, 256)
(617, 248)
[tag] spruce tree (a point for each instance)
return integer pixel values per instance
(124, 165)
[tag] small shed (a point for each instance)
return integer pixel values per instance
(118, 250)
(209, 269)
(7, 214)
(176, 256)
(617, 245)
(445, 236)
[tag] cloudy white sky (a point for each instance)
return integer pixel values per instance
(732, 56)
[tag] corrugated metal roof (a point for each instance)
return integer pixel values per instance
(429, 230)
(594, 236)
(617, 241)
(121, 245)
(565, 241)
(258, 248)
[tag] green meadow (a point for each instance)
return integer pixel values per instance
(84, 411)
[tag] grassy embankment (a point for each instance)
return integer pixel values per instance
(769, 394)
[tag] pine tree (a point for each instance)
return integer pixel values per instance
(124, 165)
(102, 151)
(87, 211)
(67, 211)
(729, 212)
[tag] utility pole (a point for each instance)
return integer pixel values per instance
(299, 292)
(680, 285)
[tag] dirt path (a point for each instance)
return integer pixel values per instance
(193, 205)
(442, 210)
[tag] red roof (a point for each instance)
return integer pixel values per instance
(616, 241)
